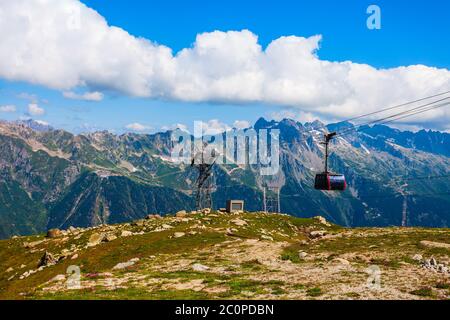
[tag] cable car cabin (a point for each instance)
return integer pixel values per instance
(330, 182)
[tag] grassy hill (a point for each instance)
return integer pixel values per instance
(232, 256)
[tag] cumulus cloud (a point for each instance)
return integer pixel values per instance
(241, 124)
(35, 110)
(175, 126)
(212, 127)
(137, 127)
(65, 45)
(8, 108)
(42, 123)
(87, 96)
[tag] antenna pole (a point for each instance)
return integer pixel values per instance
(264, 199)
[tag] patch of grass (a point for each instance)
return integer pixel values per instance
(442, 285)
(291, 253)
(385, 263)
(278, 290)
(352, 295)
(298, 286)
(124, 294)
(314, 292)
(252, 264)
(423, 292)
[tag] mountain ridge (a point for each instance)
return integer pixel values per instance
(46, 165)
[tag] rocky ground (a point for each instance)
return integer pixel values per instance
(215, 255)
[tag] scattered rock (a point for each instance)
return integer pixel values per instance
(206, 211)
(433, 261)
(341, 261)
(54, 233)
(181, 214)
(124, 265)
(265, 237)
(417, 257)
(75, 256)
(302, 255)
(72, 229)
(435, 266)
(239, 222)
(95, 239)
(33, 244)
(199, 267)
(109, 237)
(166, 227)
(139, 223)
(10, 269)
(323, 221)
(318, 234)
(231, 231)
(47, 260)
(432, 244)
(58, 278)
(126, 233)
(179, 234)
(153, 216)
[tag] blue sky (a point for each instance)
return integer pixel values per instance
(413, 32)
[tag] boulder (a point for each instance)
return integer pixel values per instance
(153, 216)
(432, 244)
(178, 234)
(265, 237)
(58, 278)
(302, 255)
(317, 234)
(126, 233)
(54, 233)
(181, 214)
(95, 239)
(124, 265)
(239, 222)
(47, 260)
(199, 267)
(417, 257)
(109, 237)
(323, 221)
(139, 223)
(341, 261)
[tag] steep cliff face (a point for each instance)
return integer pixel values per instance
(52, 178)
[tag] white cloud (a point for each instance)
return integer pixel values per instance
(28, 96)
(88, 96)
(8, 108)
(41, 122)
(213, 127)
(241, 124)
(65, 45)
(35, 110)
(137, 127)
(179, 126)
(293, 114)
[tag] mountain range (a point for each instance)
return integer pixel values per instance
(51, 178)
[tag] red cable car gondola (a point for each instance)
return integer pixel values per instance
(326, 180)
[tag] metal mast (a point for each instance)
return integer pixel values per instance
(203, 184)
